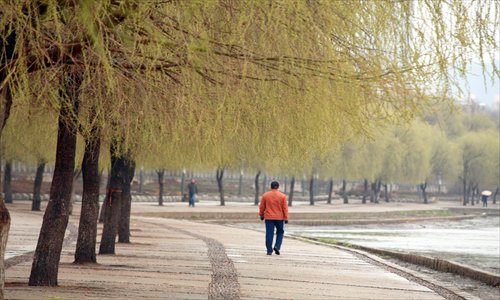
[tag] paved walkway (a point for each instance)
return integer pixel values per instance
(180, 259)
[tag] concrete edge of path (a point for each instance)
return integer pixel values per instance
(447, 291)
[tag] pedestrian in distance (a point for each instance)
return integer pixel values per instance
(193, 192)
(484, 197)
(274, 210)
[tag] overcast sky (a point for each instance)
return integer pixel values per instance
(488, 95)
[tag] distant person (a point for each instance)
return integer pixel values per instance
(193, 192)
(484, 198)
(274, 209)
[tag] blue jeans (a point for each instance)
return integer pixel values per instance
(192, 200)
(270, 224)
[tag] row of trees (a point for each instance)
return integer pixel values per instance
(211, 84)
(449, 146)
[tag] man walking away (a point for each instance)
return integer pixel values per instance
(193, 191)
(274, 209)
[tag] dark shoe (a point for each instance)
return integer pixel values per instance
(269, 253)
(276, 251)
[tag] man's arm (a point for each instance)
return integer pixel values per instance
(262, 208)
(285, 209)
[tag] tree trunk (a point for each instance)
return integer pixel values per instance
(330, 191)
(6, 103)
(292, 187)
(423, 188)
(76, 175)
(475, 192)
(257, 195)
(220, 176)
(386, 192)
(104, 206)
(117, 179)
(7, 182)
(377, 192)
(45, 266)
(470, 195)
(37, 200)
(126, 207)
(110, 224)
(87, 229)
(161, 175)
(183, 179)
(4, 231)
(464, 190)
(365, 192)
(311, 190)
(344, 192)
(373, 190)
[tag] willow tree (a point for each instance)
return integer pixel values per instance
(344, 61)
(30, 137)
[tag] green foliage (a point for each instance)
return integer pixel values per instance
(276, 85)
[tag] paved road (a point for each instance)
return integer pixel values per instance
(180, 259)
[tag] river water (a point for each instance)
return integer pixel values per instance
(473, 242)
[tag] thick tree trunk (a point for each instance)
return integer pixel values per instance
(257, 194)
(365, 191)
(7, 182)
(126, 207)
(330, 191)
(37, 200)
(6, 102)
(161, 175)
(344, 192)
(285, 190)
(87, 230)
(45, 266)
(292, 187)
(110, 224)
(118, 177)
(220, 176)
(311, 190)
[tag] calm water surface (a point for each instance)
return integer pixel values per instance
(474, 242)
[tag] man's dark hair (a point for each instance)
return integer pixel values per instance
(275, 185)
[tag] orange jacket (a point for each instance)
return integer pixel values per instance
(273, 205)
